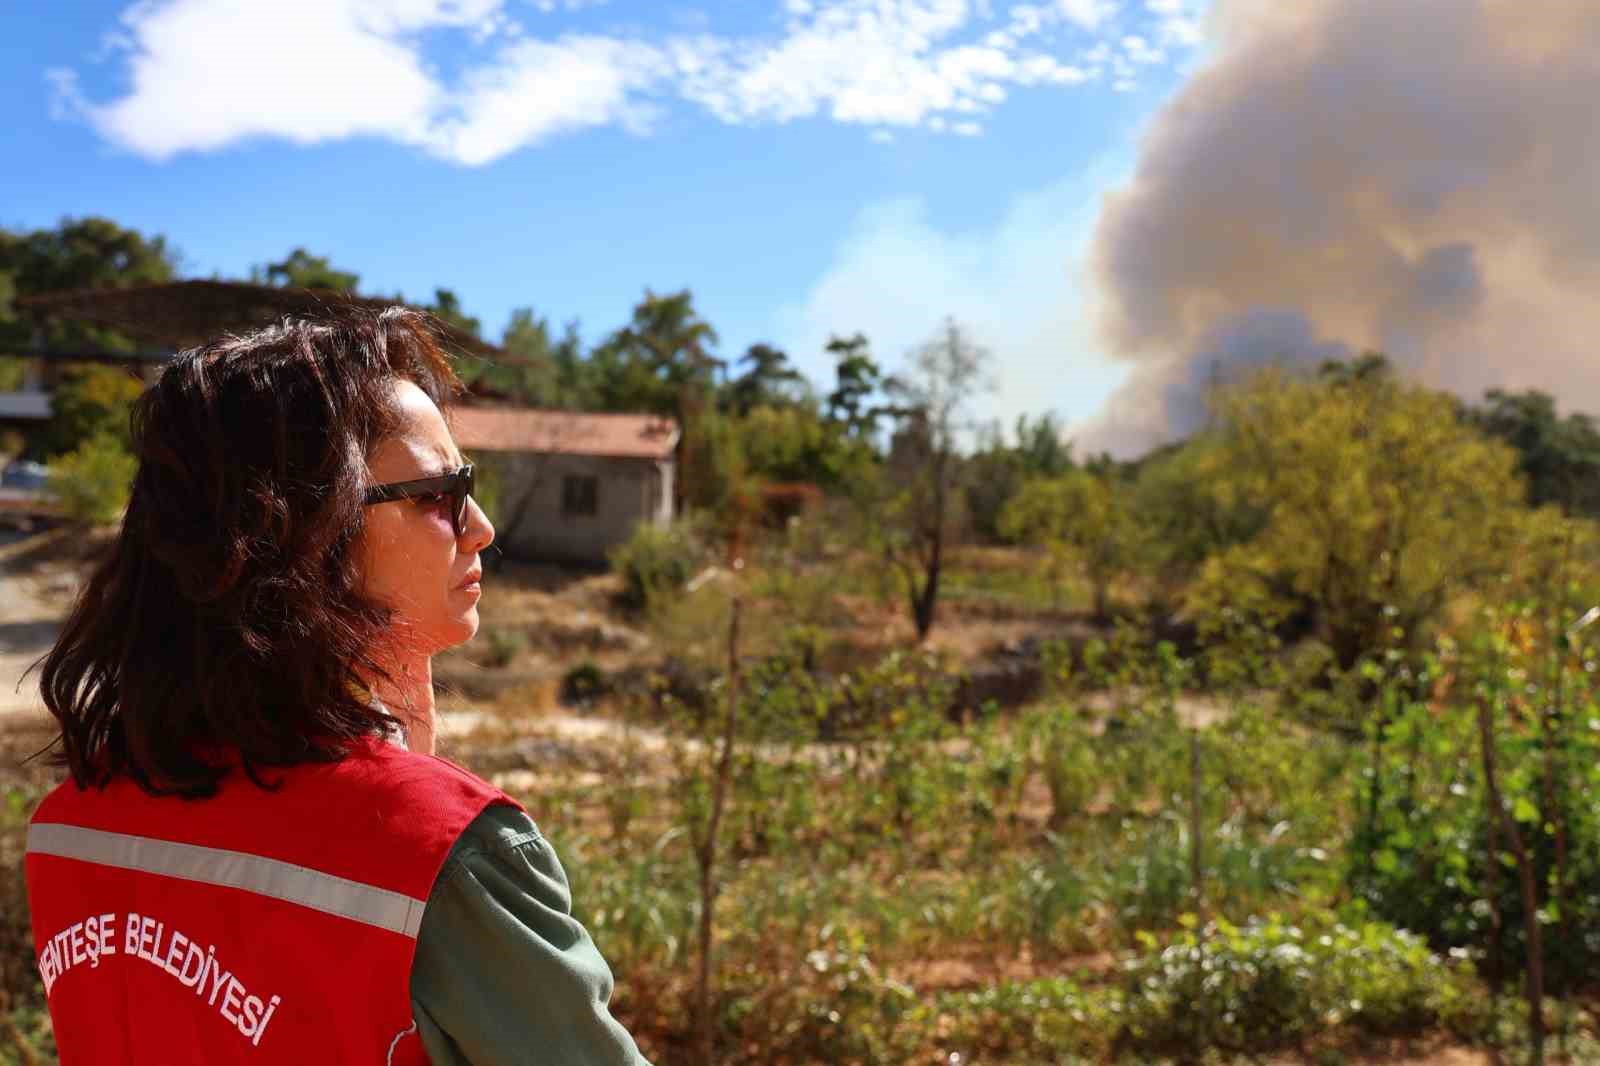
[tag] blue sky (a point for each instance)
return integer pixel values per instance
(804, 167)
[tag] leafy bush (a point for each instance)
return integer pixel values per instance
(1039, 1020)
(90, 400)
(1269, 983)
(583, 683)
(94, 480)
(1421, 852)
(656, 560)
(1062, 744)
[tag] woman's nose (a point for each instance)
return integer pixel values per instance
(479, 533)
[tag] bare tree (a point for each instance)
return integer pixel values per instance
(931, 398)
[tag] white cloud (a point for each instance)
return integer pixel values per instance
(1177, 22)
(1017, 286)
(67, 102)
(871, 61)
(548, 7)
(1047, 70)
(1142, 51)
(1026, 20)
(205, 74)
(1089, 14)
(1182, 30)
(540, 89)
(966, 129)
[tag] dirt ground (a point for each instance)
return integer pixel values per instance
(34, 596)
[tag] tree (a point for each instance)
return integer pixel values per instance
(769, 381)
(85, 253)
(792, 443)
(1078, 517)
(302, 270)
(662, 362)
(1379, 505)
(857, 377)
(724, 489)
(529, 373)
(1560, 457)
(1190, 507)
(1042, 447)
(661, 357)
(998, 470)
(447, 307)
(13, 370)
(932, 393)
(1368, 367)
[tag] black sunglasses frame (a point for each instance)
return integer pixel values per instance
(457, 485)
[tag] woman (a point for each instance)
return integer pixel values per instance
(257, 857)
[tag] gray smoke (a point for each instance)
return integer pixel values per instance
(1413, 176)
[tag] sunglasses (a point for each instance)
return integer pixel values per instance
(456, 486)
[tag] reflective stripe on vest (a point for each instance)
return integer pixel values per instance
(369, 904)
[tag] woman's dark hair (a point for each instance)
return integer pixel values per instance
(224, 624)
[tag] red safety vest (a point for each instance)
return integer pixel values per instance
(254, 926)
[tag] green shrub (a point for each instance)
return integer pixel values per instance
(583, 683)
(1061, 741)
(1419, 854)
(90, 401)
(93, 481)
(657, 559)
(1269, 983)
(1044, 1020)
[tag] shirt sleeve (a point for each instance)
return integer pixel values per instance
(503, 973)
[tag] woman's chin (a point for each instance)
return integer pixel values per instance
(461, 628)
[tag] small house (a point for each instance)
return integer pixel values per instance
(570, 486)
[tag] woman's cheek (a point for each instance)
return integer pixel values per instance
(439, 521)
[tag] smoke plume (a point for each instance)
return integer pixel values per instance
(1417, 177)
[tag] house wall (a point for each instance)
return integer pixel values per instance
(31, 404)
(628, 491)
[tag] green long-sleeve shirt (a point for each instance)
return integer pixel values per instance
(503, 973)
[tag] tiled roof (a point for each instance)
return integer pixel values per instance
(525, 429)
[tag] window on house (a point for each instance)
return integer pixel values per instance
(580, 495)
